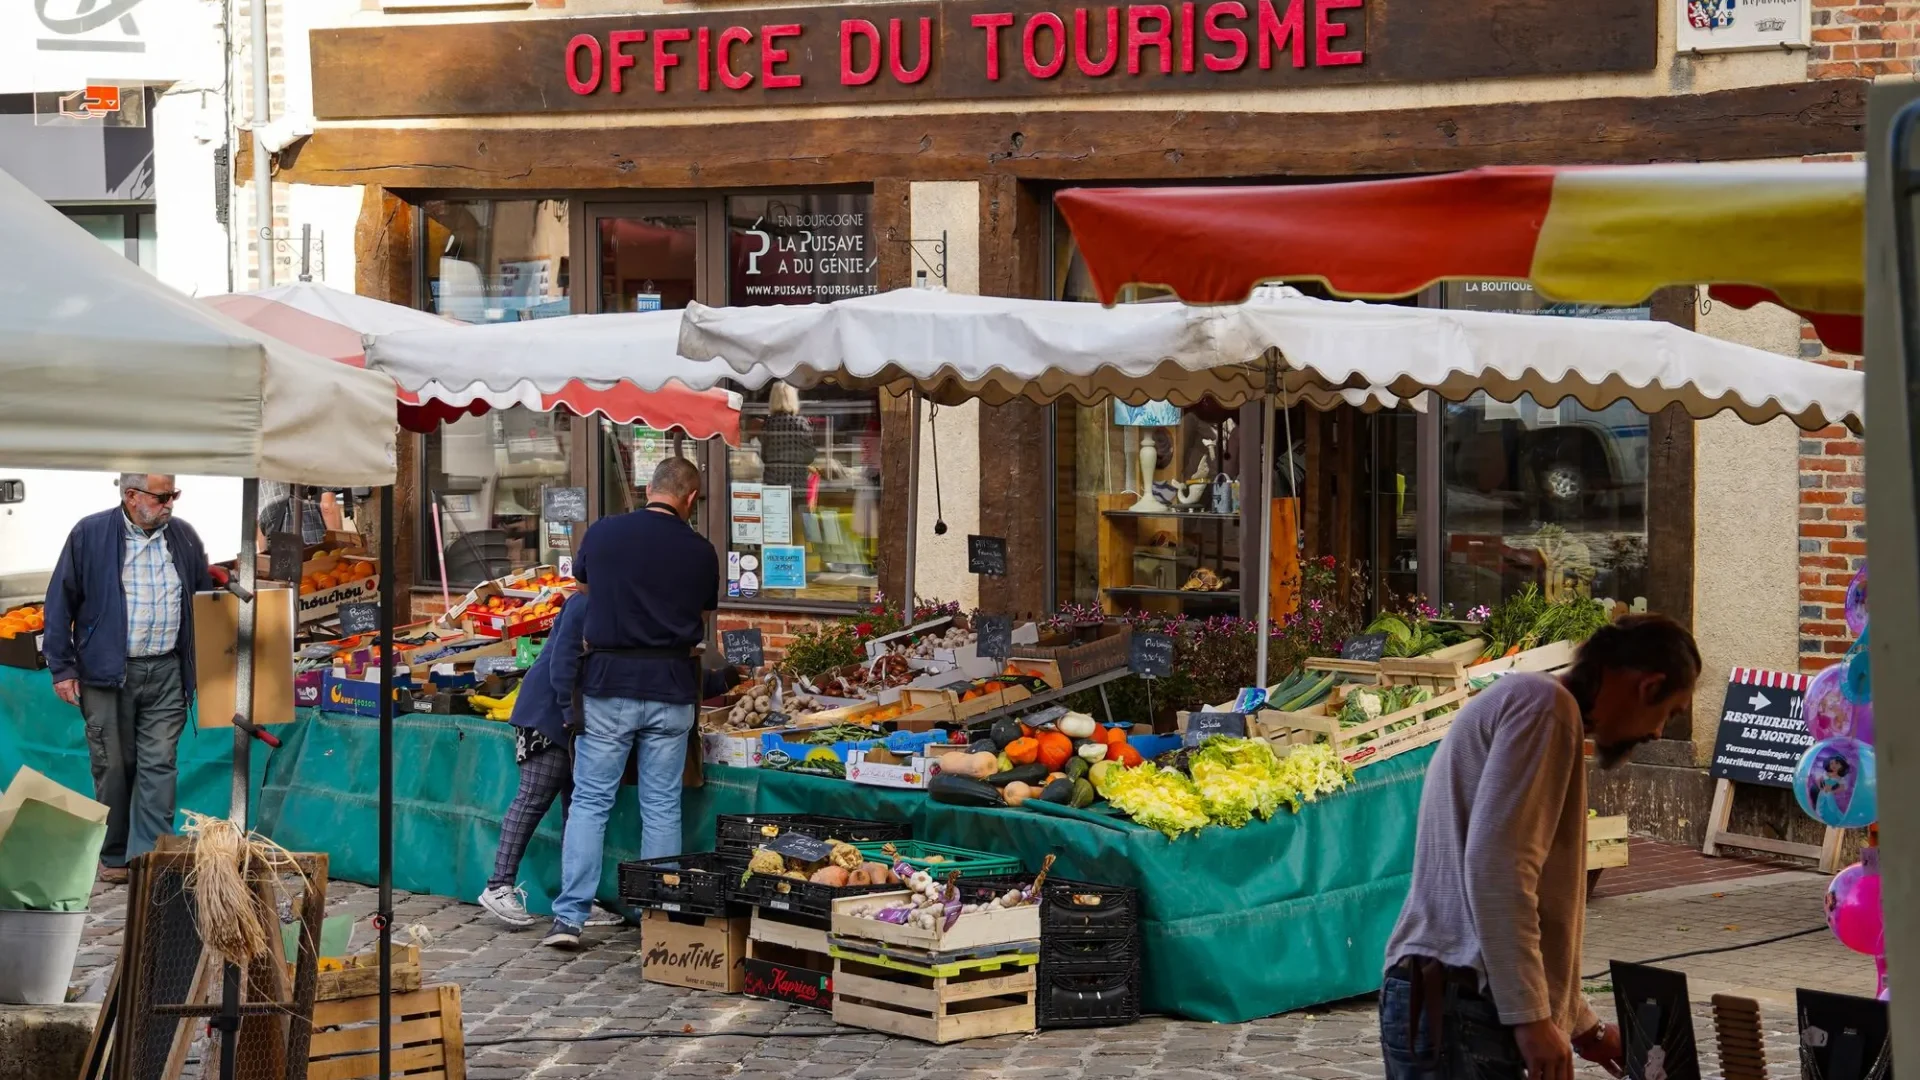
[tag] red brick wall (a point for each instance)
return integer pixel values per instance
(1861, 40)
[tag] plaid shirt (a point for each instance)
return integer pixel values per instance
(152, 587)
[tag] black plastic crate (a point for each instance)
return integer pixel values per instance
(1088, 1000)
(1073, 954)
(1082, 909)
(695, 884)
(744, 832)
(799, 901)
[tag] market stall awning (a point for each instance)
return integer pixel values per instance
(1790, 233)
(322, 320)
(998, 349)
(103, 367)
(623, 366)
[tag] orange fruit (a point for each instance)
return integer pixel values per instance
(324, 581)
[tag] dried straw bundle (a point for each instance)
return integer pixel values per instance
(233, 919)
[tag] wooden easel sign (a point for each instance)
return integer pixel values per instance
(1762, 736)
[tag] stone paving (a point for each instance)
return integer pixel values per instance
(532, 1012)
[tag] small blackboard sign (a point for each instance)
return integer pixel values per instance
(359, 619)
(1367, 647)
(1150, 655)
(563, 503)
(987, 555)
(800, 846)
(1763, 731)
(1200, 725)
(996, 636)
(285, 555)
(1656, 1022)
(1042, 717)
(743, 648)
(496, 665)
(1843, 1037)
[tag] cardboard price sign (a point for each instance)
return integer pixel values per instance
(563, 503)
(1763, 733)
(1150, 655)
(359, 619)
(496, 665)
(744, 648)
(995, 636)
(795, 845)
(987, 555)
(1202, 725)
(1368, 647)
(285, 555)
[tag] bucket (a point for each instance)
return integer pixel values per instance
(40, 947)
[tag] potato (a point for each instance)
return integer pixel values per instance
(859, 877)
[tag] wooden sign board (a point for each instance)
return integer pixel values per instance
(216, 631)
(1761, 738)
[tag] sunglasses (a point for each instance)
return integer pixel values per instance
(161, 497)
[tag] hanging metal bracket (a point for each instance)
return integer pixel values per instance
(932, 254)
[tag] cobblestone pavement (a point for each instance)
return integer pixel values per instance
(587, 1007)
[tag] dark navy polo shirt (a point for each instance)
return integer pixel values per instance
(652, 579)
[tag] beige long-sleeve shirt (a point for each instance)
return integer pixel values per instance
(1499, 865)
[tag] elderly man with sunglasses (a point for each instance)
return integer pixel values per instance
(119, 646)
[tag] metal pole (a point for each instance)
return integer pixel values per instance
(913, 505)
(383, 916)
(1265, 514)
(245, 575)
(262, 167)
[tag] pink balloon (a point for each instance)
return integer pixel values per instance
(1830, 714)
(1853, 910)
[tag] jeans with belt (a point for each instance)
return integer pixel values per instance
(614, 728)
(1472, 1043)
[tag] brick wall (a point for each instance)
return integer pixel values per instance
(777, 629)
(1862, 40)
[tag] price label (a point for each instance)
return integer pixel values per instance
(743, 648)
(359, 619)
(563, 503)
(996, 636)
(1150, 655)
(1367, 647)
(799, 846)
(987, 555)
(495, 665)
(285, 555)
(1202, 725)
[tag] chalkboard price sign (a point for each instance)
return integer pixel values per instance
(744, 648)
(1150, 655)
(800, 846)
(495, 665)
(359, 619)
(996, 636)
(563, 503)
(1364, 647)
(285, 555)
(1203, 724)
(1763, 733)
(987, 555)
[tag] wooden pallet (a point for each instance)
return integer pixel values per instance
(971, 1003)
(359, 975)
(427, 1042)
(1606, 842)
(945, 965)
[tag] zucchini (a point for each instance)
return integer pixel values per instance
(1083, 795)
(1060, 792)
(963, 791)
(1026, 774)
(1318, 691)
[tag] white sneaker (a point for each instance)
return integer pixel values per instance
(603, 916)
(508, 904)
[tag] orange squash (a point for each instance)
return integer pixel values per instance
(1055, 749)
(1023, 751)
(1099, 734)
(1124, 753)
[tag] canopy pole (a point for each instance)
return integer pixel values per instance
(383, 913)
(913, 502)
(1265, 515)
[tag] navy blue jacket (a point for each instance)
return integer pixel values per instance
(87, 606)
(546, 690)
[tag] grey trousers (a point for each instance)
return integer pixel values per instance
(133, 737)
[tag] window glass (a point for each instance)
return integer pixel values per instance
(493, 260)
(1553, 496)
(109, 229)
(149, 243)
(484, 473)
(802, 513)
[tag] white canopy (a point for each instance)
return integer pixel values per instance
(996, 349)
(104, 367)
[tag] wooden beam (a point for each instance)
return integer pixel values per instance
(1078, 146)
(892, 228)
(1670, 502)
(1012, 234)
(383, 270)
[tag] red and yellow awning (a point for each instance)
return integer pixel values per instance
(1791, 234)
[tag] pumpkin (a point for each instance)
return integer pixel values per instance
(1017, 793)
(1023, 751)
(1124, 753)
(1099, 734)
(1055, 749)
(1114, 735)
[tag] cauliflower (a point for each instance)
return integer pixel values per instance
(846, 856)
(766, 862)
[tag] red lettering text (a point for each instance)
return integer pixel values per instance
(1139, 38)
(1080, 51)
(1325, 31)
(1045, 20)
(731, 78)
(703, 57)
(859, 28)
(618, 61)
(1275, 32)
(662, 59)
(591, 81)
(1186, 36)
(772, 56)
(902, 73)
(993, 24)
(1226, 35)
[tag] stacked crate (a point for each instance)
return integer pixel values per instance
(1089, 955)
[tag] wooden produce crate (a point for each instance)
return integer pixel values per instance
(935, 1003)
(1545, 659)
(426, 1038)
(1322, 724)
(999, 926)
(1080, 660)
(359, 976)
(1606, 842)
(788, 962)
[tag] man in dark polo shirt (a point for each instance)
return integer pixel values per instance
(652, 579)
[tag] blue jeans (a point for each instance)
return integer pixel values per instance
(1474, 1044)
(615, 726)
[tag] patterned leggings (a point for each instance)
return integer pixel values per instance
(544, 774)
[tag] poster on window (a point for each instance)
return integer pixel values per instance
(776, 514)
(784, 567)
(801, 249)
(650, 447)
(745, 514)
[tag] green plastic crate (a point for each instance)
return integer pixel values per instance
(921, 856)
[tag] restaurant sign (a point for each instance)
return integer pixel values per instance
(964, 49)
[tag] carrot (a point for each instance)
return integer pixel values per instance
(1515, 651)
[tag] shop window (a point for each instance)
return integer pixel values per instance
(1547, 495)
(483, 480)
(131, 233)
(800, 500)
(496, 260)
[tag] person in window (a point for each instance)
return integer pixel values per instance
(786, 441)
